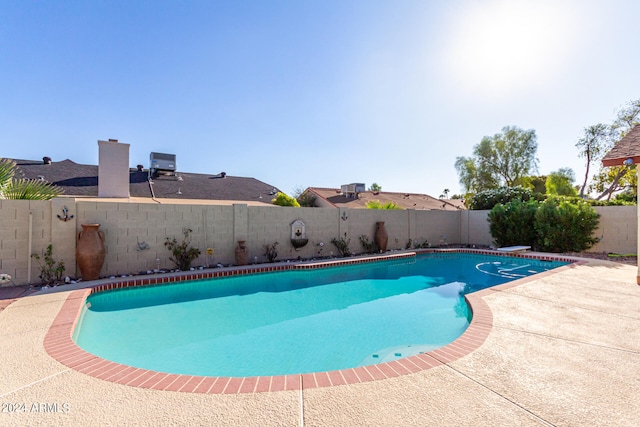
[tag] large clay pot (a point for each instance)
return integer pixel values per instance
(90, 251)
(241, 253)
(381, 237)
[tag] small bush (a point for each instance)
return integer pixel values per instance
(565, 227)
(367, 246)
(50, 271)
(415, 244)
(282, 199)
(270, 252)
(307, 200)
(375, 204)
(513, 223)
(182, 253)
(342, 245)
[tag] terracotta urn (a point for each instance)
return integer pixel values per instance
(381, 237)
(242, 253)
(90, 251)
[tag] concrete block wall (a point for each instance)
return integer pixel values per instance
(618, 230)
(474, 228)
(438, 227)
(362, 222)
(17, 217)
(128, 225)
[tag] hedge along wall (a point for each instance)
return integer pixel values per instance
(127, 224)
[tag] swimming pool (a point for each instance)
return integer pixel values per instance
(295, 321)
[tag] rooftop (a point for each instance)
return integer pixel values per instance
(82, 181)
(335, 197)
(627, 148)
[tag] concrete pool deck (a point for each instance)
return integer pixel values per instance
(563, 349)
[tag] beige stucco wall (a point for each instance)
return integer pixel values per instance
(128, 223)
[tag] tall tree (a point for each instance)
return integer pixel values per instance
(594, 142)
(612, 179)
(560, 183)
(375, 187)
(504, 159)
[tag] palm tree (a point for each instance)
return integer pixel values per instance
(22, 188)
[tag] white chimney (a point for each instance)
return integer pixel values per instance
(113, 169)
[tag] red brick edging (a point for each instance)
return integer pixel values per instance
(59, 343)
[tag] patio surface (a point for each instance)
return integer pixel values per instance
(564, 349)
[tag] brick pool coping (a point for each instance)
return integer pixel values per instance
(59, 344)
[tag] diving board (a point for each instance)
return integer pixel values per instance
(514, 248)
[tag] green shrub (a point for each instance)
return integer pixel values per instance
(307, 200)
(282, 199)
(342, 245)
(182, 253)
(562, 226)
(415, 244)
(50, 271)
(555, 225)
(367, 246)
(513, 223)
(375, 204)
(489, 198)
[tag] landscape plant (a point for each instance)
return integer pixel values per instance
(513, 223)
(22, 188)
(487, 199)
(282, 199)
(182, 254)
(51, 271)
(369, 247)
(342, 245)
(556, 225)
(270, 251)
(416, 244)
(375, 204)
(565, 227)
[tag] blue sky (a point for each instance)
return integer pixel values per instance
(312, 93)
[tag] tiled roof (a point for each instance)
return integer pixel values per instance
(335, 197)
(627, 148)
(82, 180)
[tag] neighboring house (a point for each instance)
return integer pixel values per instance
(356, 197)
(626, 151)
(82, 181)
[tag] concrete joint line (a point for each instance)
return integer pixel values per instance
(542, 420)
(568, 340)
(301, 403)
(506, 291)
(34, 383)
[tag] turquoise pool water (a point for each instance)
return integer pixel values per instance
(295, 321)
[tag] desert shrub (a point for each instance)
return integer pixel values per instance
(416, 244)
(375, 204)
(51, 271)
(489, 198)
(270, 251)
(342, 245)
(513, 223)
(562, 226)
(367, 246)
(307, 200)
(182, 252)
(282, 199)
